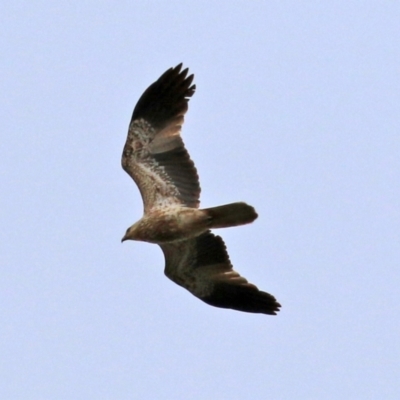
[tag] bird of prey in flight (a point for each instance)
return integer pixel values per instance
(155, 157)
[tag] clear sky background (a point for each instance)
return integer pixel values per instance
(297, 112)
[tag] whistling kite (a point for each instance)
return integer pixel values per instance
(155, 157)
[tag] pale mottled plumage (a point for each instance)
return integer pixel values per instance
(155, 157)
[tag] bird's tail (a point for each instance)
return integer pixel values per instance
(233, 214)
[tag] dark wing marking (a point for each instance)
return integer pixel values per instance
(154, 154)
(202, 266)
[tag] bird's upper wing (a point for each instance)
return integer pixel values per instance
(154, 154)
(202, 266)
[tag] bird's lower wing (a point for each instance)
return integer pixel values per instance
(202, 266)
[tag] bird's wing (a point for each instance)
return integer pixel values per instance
(202, 266)
(154, 154)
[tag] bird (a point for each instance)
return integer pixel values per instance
(155, 157)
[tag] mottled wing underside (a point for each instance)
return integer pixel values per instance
(202, 266)
(154, 154)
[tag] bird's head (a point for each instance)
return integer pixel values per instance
(132, 233)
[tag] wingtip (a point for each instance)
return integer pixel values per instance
(245, 298)
(277, 308)
(166, 98)
(178, 67)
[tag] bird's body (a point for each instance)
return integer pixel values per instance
(170, 225)
(155, 157)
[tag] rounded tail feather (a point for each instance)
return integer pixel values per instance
(233, 214)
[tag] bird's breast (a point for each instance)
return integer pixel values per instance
(173, 224)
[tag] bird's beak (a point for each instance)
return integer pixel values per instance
(124, 238)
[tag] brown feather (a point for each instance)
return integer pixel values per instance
(154, 154)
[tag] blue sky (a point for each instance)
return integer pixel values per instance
(296, 112)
